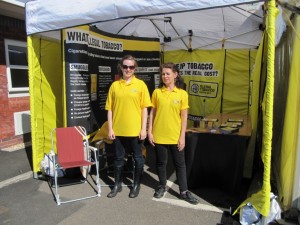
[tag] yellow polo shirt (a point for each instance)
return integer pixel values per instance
(126, 102)
(167, 121)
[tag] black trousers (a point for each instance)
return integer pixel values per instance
(134, 144)
(178, 157)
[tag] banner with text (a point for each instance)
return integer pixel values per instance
(202, 72)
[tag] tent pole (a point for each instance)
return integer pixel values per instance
(179, 35)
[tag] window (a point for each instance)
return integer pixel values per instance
(17, 68)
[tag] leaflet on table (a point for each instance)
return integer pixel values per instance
(229, 130)
(210, 120)
(232, 124)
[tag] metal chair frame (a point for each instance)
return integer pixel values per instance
(86, 162)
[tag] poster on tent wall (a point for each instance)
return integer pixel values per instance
(202, 72)
(90, 61)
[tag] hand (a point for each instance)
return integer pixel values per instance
(151, 139)
(143, 135)
(181, 144)
(111, 135)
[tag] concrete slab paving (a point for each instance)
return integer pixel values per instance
(24, 200)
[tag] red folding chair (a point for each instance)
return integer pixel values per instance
(73, 151)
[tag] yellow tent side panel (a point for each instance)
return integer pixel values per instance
(236, 94)
(291, 125)
(45, 75)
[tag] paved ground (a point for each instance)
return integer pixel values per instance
(24, 200)
(16, 165)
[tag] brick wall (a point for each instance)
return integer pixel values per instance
(13, 29)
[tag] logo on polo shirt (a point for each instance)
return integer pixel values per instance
(134, 90)
(176, 101)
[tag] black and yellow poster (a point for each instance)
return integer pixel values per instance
(91, 58)
(202, 72)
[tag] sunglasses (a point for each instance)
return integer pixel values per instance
(125, 67)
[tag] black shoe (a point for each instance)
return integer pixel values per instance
(187, 196)
(160, 191)
(114, 191)
(134, 192)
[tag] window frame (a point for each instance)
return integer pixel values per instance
(15, 91)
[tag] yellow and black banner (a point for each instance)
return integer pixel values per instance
(217, 81)
(202, 72)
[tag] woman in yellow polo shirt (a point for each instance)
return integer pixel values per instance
(167, 127)
(126, 105)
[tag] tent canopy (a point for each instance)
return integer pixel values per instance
(179, 24)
